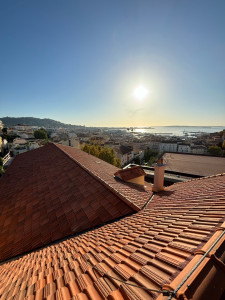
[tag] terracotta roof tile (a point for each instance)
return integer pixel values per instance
(149, 248)
(134, 196)
(46, 195)
(130, 173)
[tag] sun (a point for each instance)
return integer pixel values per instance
(140, 92)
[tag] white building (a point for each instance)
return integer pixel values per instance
(21, 145)
(1, 126)
(72, 142)
(21, 127)
(168, 147)
(125, 154)
(154, 146)
(184, 148)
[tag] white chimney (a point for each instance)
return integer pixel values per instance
(159, 176)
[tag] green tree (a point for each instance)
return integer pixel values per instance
(94, 150)
(137, 160)
(117, 163)
(8, 137)
(4, 130)
(150, 156)
(215, 150)
(41, 134)
(104, 153)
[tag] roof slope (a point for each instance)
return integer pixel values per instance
(148, 249)
(46, 195)
(135, 196)
(202, 165)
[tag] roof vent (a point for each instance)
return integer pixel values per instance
(159, 176)
(134, 175)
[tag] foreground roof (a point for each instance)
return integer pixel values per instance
(201, 165)
(150, 248)
(55, 191)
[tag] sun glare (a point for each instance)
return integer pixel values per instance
(140, 92)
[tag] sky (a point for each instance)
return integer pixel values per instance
(79, 61)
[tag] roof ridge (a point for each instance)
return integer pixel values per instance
(96, 177)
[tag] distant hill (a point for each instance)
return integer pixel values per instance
(47, 123)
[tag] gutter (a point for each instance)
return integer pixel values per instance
(182, 283)
(149, 200)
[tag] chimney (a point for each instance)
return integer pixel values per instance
(134, 175)
(159, 176)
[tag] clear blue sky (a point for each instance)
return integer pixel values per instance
(79, 61)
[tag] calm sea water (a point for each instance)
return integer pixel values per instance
(180, 130)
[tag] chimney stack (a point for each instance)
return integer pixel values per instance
(159, 176)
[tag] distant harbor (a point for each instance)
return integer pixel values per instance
(179, 130)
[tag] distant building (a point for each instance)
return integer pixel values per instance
(168, 146)
(200, 165)
(186, 148)
(72, 142)
(1, 126)
(124, 153)
(21, 127)
(21, 145)
(154, 145)
(199, 149)
(97, 140)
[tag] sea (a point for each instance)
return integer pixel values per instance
(178, 130)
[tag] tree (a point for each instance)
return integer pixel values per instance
(215, 150)
(4, 130)
(137, 160)
(150, 156)
(221, 133)
(41, 134)
(8, 137)
(104, 153)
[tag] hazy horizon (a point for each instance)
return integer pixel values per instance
(115, 63)
(117, 126)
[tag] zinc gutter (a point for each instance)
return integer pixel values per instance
(183, 281)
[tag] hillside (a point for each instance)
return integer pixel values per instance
(47, 123)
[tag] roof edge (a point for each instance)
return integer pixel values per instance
(182, 282)
(110, 188)
(195, 179)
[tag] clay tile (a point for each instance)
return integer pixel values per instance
(130, 173)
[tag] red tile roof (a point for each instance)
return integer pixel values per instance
(149, 249)
(134, 196)
(55, 191)
(130, 173)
